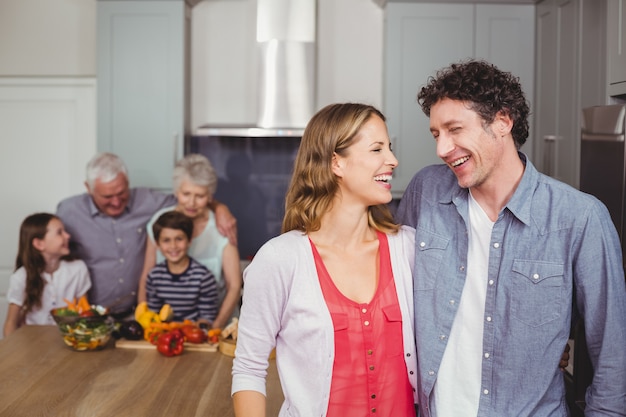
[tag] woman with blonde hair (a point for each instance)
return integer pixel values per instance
(333, 292)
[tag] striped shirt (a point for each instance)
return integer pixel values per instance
(192, 294)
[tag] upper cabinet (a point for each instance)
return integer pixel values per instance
(616, 47)
(421, 38)
(143, 77)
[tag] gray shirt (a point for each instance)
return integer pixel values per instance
(112, 247)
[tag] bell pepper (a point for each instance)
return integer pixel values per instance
(193, 334)
(171, 343)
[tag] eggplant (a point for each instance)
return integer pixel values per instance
(131, 330)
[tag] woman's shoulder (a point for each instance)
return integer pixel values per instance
(286, 246)
(156, 215)
(73, 265)
(404, 233)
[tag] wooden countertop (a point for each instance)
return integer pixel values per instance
(43, 377)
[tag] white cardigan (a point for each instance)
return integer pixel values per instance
(283, 306)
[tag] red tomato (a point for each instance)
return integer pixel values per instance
(194, 334)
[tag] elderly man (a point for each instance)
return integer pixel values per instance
(108, 229)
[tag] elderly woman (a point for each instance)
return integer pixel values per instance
(195, 182)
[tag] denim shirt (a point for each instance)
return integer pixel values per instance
(550, 243)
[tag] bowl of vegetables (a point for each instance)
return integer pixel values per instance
(84, 329)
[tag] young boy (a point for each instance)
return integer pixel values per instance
(187, 286)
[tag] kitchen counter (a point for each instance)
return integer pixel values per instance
(42, 376)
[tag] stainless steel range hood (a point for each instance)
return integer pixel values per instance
(286, 53)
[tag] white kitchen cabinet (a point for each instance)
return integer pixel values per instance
(569, 76)
(616, 47)
(421, 38)
(143, 85)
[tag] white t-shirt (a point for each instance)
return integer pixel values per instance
(70, 281)
(457, 389)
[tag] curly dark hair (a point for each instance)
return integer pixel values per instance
(485, 88)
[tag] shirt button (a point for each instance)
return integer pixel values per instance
(462, 268)
(486, 391)
(139, 230)
(367, 323)
(373, 410)
(121, 260)
(411, 372)
(431, 373)
(487, 355)
(488, 318)
(113, 221)
(371, 367)
(373, 396)
(442, 337)
(496, 245)
(118, 240)
(422, 244)
(121, 280)
(408, 355)
(369, 351)
(452, 302)
(535, 276)
(490, 282)
(364, 311)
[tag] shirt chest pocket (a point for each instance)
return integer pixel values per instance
(536, 297)
(429, 254)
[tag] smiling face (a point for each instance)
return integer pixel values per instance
(110, 197)
(471, 149)
(193, 199)
(365, 169)
(55, 242)
(174, 244)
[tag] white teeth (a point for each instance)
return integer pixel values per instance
(459, 161)
(384, 178)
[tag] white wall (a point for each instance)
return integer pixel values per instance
(47, 38)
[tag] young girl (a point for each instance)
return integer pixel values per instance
(43, 275)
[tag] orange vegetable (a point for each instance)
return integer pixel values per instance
(83, 304)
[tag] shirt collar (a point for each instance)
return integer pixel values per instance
(519, 204)
(521, 201)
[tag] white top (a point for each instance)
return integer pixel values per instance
(457, 389)
(283, 306)
(70, 281)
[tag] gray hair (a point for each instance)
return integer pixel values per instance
(105, 167)
(198, 170)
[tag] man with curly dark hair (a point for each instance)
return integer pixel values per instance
(505, 256)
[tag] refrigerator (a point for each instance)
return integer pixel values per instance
(602, 174)
(603, 160)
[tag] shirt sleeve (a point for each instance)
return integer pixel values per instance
(154, 302)
(601, 300)
(407, 209)
(17, 287)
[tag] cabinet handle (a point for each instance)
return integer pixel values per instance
(175, 148)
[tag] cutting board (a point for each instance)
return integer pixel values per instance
(143, 344)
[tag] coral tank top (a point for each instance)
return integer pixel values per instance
(369, 373)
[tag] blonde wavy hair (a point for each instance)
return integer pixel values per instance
(313, 184)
